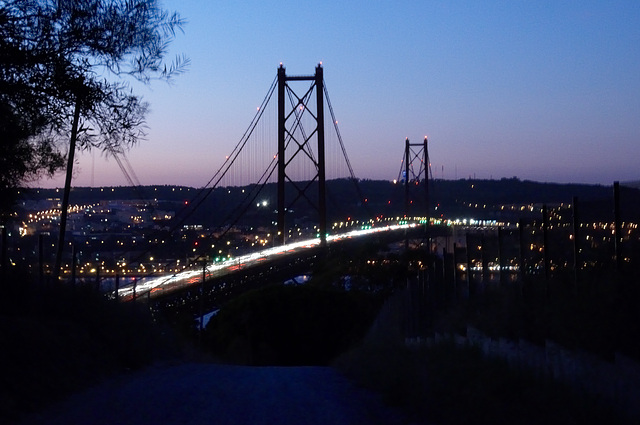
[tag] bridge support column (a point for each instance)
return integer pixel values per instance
(322, 192)
(413, 178)
(301, 142)
(281, 154)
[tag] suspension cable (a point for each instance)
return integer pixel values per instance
(268, 172)
(344, 151)
(229, 161)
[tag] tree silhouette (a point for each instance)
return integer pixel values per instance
(69, 64)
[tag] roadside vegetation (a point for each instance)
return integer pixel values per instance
(290, 325)
(446, 384)
(308, 324)
(59, 339)
(600, 315)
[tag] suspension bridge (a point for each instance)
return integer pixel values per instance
(286, 146)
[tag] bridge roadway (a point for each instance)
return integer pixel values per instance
(160, 286)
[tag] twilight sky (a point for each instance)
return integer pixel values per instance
(541, 90)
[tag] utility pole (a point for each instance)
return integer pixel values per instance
(616, 226)
(545, 241)
(575, 220)
(201, 307)
(3, 257)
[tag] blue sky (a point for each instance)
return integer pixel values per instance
(542, 90)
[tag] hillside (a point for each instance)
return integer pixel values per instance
(481, 199)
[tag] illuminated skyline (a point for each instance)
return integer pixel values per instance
(546, 91)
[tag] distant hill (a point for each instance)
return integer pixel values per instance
(482, 199)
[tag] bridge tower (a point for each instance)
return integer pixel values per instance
(290, 130)
(416, 164)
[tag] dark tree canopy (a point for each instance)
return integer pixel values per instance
(59, 57)
(23, 107)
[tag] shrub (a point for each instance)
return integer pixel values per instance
(290, 325)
